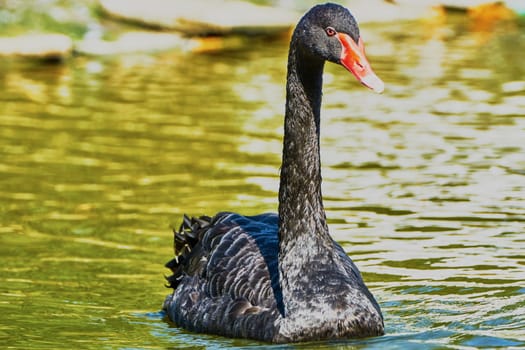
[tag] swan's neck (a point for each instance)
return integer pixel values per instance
(303, 232)
(301, 212)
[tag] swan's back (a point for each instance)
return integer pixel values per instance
(225, 277)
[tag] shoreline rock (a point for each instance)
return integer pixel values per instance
(202, 17)
(40, 46)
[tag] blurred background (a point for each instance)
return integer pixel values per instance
(118, 116)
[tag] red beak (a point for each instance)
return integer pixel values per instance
(354, 59)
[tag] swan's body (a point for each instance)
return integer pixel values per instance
(282, 278)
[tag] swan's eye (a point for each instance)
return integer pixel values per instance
(330, 31)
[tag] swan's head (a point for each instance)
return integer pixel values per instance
(329, 32)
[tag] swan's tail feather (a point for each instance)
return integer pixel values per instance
(188, 234)
(185, 239)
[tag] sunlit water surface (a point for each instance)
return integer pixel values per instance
(424, 185)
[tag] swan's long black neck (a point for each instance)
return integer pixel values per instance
(303, 232)
(301, 211)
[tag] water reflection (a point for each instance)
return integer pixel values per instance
(423, 185)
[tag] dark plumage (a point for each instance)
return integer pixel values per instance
(281, 278)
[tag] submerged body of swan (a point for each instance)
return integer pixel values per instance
(281, 277)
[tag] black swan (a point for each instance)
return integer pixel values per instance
(282, 278)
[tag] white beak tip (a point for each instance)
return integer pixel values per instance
(373, 82)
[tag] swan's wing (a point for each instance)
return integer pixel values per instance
(225, 276)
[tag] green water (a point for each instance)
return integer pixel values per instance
(424, 185)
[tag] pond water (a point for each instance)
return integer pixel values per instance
(424, 185)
